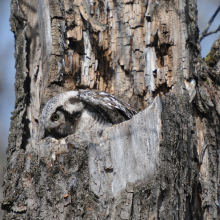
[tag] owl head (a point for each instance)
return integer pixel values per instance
(61, 112)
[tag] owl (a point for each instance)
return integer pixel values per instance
(82, 111)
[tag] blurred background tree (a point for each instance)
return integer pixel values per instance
(7, 79)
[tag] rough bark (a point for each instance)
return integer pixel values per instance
(161, 164)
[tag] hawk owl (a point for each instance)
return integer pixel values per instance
(81, 111)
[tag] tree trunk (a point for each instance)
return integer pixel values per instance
(161, 164)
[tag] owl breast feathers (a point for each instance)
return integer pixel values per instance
(82, 111)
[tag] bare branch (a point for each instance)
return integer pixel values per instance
(204, 33)
(212, 32)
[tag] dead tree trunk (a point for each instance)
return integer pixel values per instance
(161, 164)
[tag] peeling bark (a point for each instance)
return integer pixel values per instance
(161, 164)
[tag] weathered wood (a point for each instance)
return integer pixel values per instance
(97, 167)
(141, 51)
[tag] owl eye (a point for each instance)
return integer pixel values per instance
(55, 117)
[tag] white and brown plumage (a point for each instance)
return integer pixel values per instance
(82, 111)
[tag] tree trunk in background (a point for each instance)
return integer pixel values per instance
(161, 164)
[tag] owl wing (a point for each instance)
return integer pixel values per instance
(111, 108)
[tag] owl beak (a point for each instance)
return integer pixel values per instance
(48, 130)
